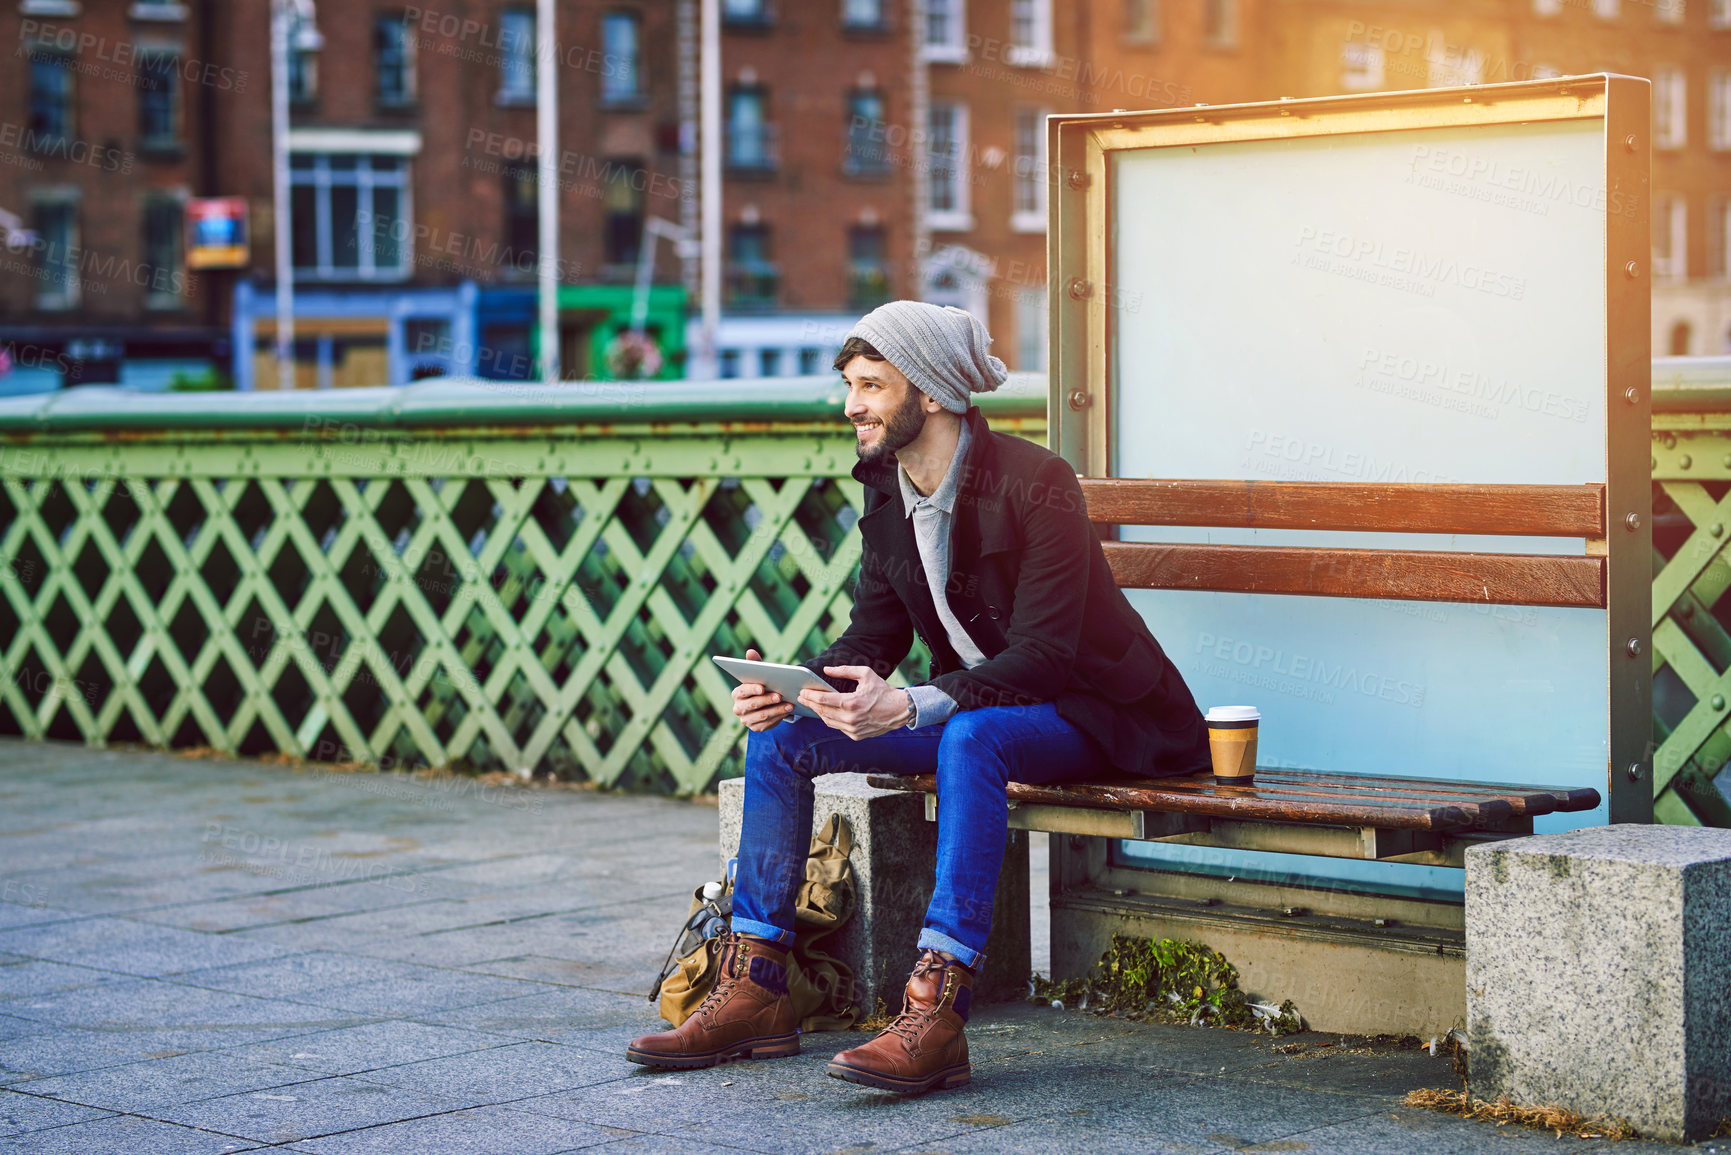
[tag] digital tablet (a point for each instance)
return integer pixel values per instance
(787, 681)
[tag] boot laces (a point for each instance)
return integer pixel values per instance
(733, 952)
(911, 1023)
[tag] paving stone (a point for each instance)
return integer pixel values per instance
(478, 1131)
(553, 1015)
(29, 977)
(1410, 1129)
(126, 1135)
(295, 975)
(372, 1047)
(505, 1074)
(1353, 1070)
(13, 1027)
(21, 1113)
(310, 1110)
(1226, 1112)
(153, 1083)
(132, 947)
(1059, 1136)
(416, 990)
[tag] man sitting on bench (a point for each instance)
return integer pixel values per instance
(1042, 671)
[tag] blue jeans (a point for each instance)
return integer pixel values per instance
(975, 753)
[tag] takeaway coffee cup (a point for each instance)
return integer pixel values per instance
(1232, 742)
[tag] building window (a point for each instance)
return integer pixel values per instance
(1142, 21)
(729, 362)
(1668, 11)
(50, 98)
(810, 361)
(1031, 330)
(1680, 334)
(752, 278)
(1606, 9)
(1547, 7)
(516, 56)
(621, 63)
(750, 139)
(1670, 238)
(158, 99)
(55, 223)
(946, 31)
(866, 15)
(394, 61)
(1028, 214)
(947, 166)
(522, 217)
(164, 227)
(769, 362)
(303, 76)
(1719, 14)
(1030, 33)
(868, 276)
(1360, 66)
(351, 217)
(1670, 111)
(1719, 238)
(751, 13)
(1719, 109)
(1220, 23)
(622, 213)
(867, 150)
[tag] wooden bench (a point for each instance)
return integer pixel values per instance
(1422, 821)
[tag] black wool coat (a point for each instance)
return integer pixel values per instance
(1029, 583)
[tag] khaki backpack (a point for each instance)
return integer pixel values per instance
(820, 984)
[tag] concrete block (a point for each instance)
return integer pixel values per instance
(894, 860)
(1599, 974)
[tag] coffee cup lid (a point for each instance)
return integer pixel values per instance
(1233, 714)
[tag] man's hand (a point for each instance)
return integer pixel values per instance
(874, 707)
(757, 707)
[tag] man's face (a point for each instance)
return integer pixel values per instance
(886, 410)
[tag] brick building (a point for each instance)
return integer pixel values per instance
(106, 111)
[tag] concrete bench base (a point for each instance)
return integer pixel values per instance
(894, 860)
(1599, 974)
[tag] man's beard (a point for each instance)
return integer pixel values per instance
(900, 429)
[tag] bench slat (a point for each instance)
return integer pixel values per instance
(1522, 510)
(1251, 803)
(1482, 806)
(1408, 575)
(1527, 801)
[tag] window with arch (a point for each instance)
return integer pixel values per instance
(1681, 332)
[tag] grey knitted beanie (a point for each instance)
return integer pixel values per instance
(940, 348)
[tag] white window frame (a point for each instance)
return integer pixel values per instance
(1719, 238)
(325, 239)
(1719, 110)
(48, 298)
(1227, 34)
(953, 49)
(851, 13)
(1607, 9)
(1670, 107)
(1547, 7)
(165, 11)
(1668, 11)
(1145, 31)
(1362, 66)
(1029, 172)
(514, 53)
(959, 217)
(156, 298)
(1037, 51)
(1031, 330)
(54, 9)
(616, 97)
(1671, 214)
(1719, 14)
(411, 91)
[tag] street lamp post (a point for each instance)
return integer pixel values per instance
(291, 22)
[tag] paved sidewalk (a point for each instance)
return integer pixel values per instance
(220, 955)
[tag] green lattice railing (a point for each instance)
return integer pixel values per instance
(448, 574)
(1692, 572)
(519, 579)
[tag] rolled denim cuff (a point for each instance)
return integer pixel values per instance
(762, 930)
(932, 707)
(937, 940)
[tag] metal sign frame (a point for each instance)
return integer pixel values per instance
(1083, 294)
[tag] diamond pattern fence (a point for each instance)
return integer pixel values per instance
(538, 600)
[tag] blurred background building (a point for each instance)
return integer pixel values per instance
(872, 149)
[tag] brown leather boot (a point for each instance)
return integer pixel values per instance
(924, 1047)
(748, 1012)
